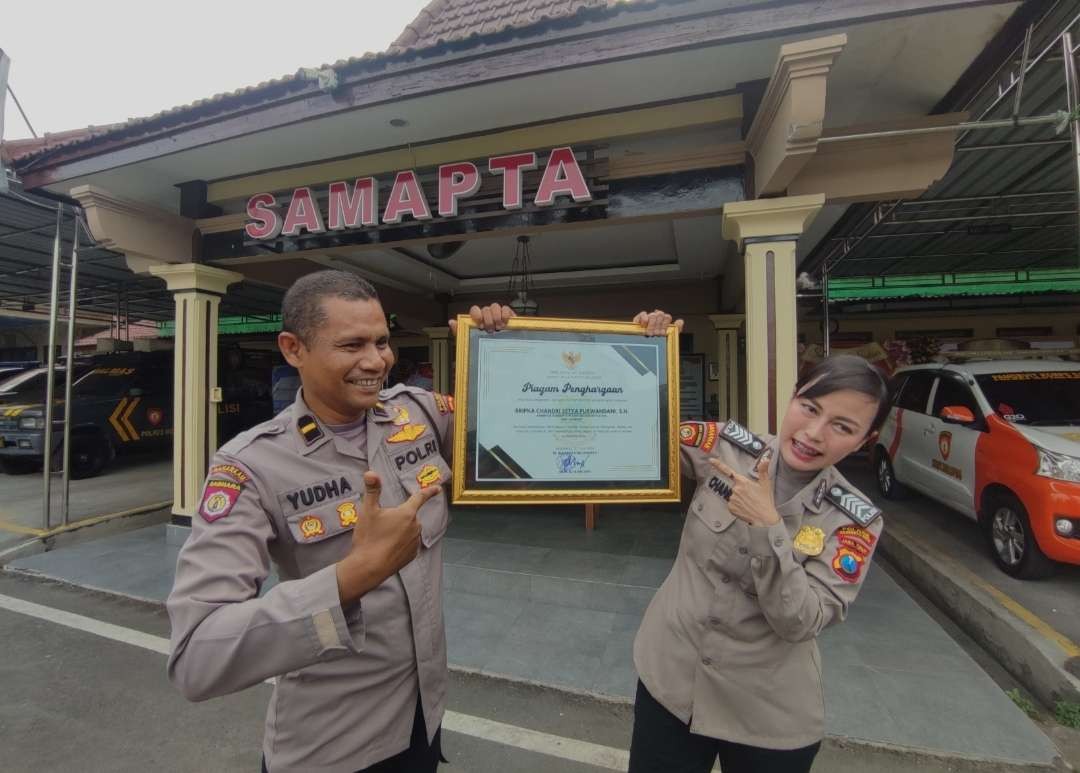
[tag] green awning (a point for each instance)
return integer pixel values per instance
(872, 288)
(265, 323)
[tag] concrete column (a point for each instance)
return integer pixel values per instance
(728, 327)
(439, 354)
(767, 231)
(197, 291)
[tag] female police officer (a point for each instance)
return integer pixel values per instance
(775, 548)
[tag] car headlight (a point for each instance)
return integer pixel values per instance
(1058, 466)
(32, 422)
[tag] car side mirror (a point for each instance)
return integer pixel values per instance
(957, 414)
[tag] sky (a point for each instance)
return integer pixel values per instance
(76, 64)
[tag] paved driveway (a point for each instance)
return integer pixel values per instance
(129, 483)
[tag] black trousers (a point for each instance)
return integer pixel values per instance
(662, 743)
(420, 757)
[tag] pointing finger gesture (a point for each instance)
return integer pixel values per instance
(751, 499)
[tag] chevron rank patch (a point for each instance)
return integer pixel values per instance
(698, 434)
(853, 505)
(741, 437)
(309, 429)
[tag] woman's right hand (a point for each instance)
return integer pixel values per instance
(656, 322)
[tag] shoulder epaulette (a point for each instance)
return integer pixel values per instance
(853, 505)
(742, 438)
(274, 426)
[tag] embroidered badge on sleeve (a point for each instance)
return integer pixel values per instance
(219, 497)
(699, 434)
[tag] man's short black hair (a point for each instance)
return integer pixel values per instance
(302, 312)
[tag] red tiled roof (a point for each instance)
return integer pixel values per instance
(447, 21)
(441, 22)
(11, 150)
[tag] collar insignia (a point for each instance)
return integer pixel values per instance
(309, 429)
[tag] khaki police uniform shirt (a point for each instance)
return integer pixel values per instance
(728, 644)
(289, 491)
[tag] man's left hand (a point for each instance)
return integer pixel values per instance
(656, 322)
(490, 318)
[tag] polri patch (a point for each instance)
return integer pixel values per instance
(742, 438)
(218, 499)
(852, 505)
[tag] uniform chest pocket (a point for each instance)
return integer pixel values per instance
(434, 516)
(705, 536)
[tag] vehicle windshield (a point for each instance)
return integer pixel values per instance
(1037, 398)
(104, 382)
(30, 381)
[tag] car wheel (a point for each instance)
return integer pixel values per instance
(89, 456)
(18, 466)
(887, 484)
(1012, 543)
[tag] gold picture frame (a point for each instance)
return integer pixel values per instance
(525, 490)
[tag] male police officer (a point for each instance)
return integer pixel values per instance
(340, 491)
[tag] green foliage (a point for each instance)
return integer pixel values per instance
(1068, 713)
(1022, 703)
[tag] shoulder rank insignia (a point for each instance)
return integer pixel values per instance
(698, 434)
(407, 433)
(380, 410)
(445, 403)
(309, 428)
(741, 437)
(853, 505)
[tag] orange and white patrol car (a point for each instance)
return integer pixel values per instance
(1000, 442)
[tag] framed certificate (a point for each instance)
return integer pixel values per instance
(555, 411)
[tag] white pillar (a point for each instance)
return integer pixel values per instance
(197, 291)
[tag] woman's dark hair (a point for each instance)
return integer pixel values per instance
(846, 371)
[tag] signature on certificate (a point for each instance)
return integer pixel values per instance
(570, 463)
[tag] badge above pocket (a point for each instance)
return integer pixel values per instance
(434, 516)
(325, 522)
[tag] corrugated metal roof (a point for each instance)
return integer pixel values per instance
(1008, 202)
(27, 231)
